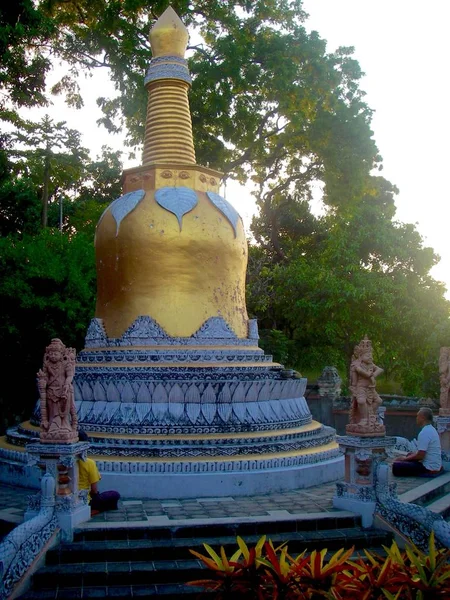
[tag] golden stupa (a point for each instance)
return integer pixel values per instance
(172, 389)
(180, 259)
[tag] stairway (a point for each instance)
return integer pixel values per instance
(125, 562)
(433, 494)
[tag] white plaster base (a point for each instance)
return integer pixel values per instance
(365, 509)
(204, 485)
(69, 520)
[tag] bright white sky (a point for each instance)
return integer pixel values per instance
(403, 47)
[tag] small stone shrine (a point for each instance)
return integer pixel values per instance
(58, 450)
(176, 396)
(365, 444)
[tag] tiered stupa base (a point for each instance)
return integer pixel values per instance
(209, 415)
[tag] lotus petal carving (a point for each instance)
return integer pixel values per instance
(193, 411)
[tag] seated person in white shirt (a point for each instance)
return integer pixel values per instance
(426, 461)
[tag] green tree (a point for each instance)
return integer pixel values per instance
(24, 63)
(268, 101)
(47, 289)
(100, 186)
(50, 154)
(363, 273)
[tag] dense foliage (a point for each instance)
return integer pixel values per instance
(47, 274)
(264, 571)
(271, 106)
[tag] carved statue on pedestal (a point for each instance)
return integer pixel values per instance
(444, 379)
(58, 413)
(365, 399)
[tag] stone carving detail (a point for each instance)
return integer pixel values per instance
(171, 404)
(96, 334)
(21, 547)
(443, 424)
(172, 67)
(444, 379)
(143, 328)
(226, 209)
(417, 522)
(365, 399)
(214, 327)
(146, 331)
(214, 466)
(58, 413)
(329, 383)
(177, 200)
(122, 207)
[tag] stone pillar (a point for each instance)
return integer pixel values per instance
(60, 461)
(443, 428)
(363, 455)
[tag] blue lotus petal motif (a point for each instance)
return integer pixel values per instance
(177, 200)
(122, 207)
(225, 208)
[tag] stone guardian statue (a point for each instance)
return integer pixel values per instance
(59, 421)
(364, 397)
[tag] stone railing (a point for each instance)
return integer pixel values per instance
(412, 520)
(23, 545)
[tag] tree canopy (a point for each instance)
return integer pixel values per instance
(272, 106)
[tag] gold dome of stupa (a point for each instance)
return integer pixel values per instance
(171, 248)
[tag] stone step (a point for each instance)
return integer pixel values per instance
(279, 521)
(178, 548)
(109, 574)
(159, 567)
(167, 591)
(441, 506)
(429, 491)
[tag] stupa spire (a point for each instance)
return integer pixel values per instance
(168, 127)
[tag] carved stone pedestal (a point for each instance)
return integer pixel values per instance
(362, 457)
(60, 461)
(443, 427)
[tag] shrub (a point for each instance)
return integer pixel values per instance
(265, 572)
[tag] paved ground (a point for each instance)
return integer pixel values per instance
(13, 501)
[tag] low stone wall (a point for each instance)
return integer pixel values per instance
(400, 415)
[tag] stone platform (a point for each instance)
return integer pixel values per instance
(176, 417)
(314, 501)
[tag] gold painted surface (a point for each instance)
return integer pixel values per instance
(169, 35)
(313, 426)
(168, 127)
(179, 278)
(7, 446)
(292, 453)
(158, 175)
(289, 454)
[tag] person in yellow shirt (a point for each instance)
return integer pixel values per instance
(88, 478)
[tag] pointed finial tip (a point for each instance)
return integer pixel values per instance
(169, 36)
